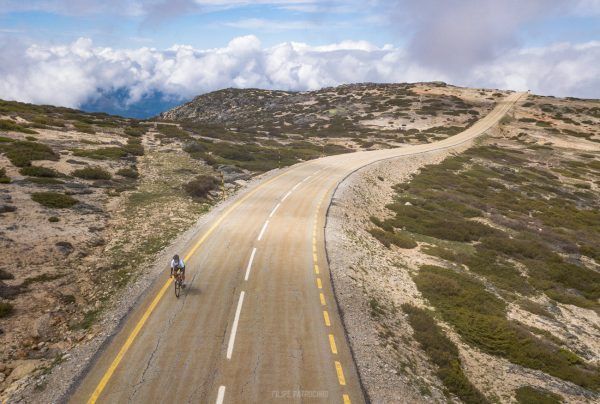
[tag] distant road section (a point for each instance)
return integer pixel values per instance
(258, 321)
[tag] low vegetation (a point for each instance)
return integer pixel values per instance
(532, 395)
(22, 152)
(200, 186)
(6, 309)
(4, 179)
(36, 171)
(443, 353)
(92, 173)
(54, 199)
(8, 125)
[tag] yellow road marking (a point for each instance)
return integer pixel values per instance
(332, 343)
(314, 257)
(314, 249)
(322, 297)
(316, 269)
(340, 373)
(319, 285)
(127, 344)
(346, 399)
(326, 317)
(314, 240)
(131, 338)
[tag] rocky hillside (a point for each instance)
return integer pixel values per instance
(357, 116)
(475, 276)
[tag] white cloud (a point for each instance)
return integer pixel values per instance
(72, 74)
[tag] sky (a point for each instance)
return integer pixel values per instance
(136, 57)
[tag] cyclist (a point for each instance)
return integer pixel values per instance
(178, 264)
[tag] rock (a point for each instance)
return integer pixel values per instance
(23, 368)
(407, 204)
(240, 183)
(65, 247)
(7, 208)
(2, 377)
(42, 327)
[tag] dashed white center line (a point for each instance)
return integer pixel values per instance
(250, 264)
(275, 209)
(221, 395)
(234, 327)
(296, 186)
(262, 231)
(286, 195)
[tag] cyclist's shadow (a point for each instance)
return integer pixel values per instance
(191, 290)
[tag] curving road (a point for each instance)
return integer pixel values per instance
(258, 321)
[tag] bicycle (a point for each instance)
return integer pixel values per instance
(178, 282)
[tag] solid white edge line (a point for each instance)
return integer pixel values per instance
(286, 195)
(250, 264)
(234, 327)
(262, 231)
(275, 209)
(221, 395)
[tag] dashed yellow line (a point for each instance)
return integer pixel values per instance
(322, 297)
(346, 399)
(314, 257)
(340, 373)
(319, 284)
(317, 269)
(332, 344)
(326, 318)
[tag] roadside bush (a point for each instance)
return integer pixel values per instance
(388, 238)
(36, 171)
(199, 187)
(54, 199)
(134, 147)
(6, 309)
(172, 132)
(92, 173)
(536, 395)
(443, 353)
(8, 125)
(22, 153)
(53, 219)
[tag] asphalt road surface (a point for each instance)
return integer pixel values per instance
(258, 321)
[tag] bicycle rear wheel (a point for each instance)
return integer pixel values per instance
(177, 286)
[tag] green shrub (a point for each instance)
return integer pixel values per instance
(172, 132)
(104, 153)
(443, 353)
(200, 186)
(536, 395)
(53, 219)
(388, 238)
(480, 319)
(92, 173)
(128, 172)
(3, 178)
(22, 153)
(8, 125)
(6, 309)
(134, 147)
(36, 171)
(54, 199)
(135, 131)
(84, 127)
(44, 180)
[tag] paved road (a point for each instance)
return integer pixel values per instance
(258, 321)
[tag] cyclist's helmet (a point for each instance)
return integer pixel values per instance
(176, 258)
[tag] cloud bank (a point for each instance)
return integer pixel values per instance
(73, 74)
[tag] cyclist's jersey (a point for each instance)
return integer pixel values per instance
(177, 265)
